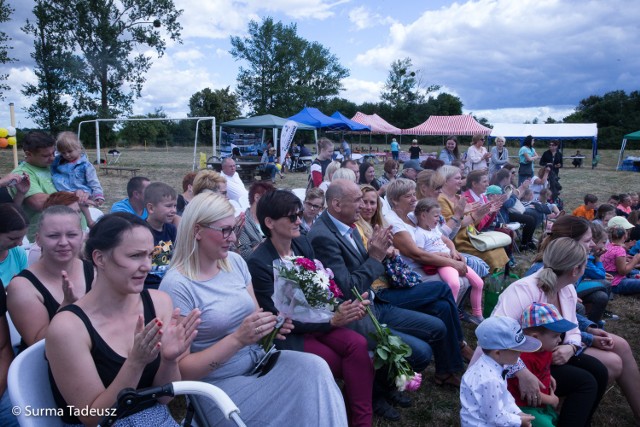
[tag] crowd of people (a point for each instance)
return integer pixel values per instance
(172, 286)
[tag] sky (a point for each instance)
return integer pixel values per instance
(507, 60)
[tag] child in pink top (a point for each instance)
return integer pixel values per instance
(615, 260)
(431, 239)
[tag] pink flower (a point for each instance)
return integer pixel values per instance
(306, 263)
(414, 383)
(333, 287)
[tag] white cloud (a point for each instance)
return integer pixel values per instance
(529, 52)
(363, 18)
(360, 91)
(18, 77)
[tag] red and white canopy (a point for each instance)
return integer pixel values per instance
(448, 125)
(376, 123)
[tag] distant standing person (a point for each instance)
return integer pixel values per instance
(319, 165)
(235, 187)
(499, 156)
(477, 155)
(395, 149)
(415, 150)
(346, 149)
(450, 153)
(527, 155)
(552, 158)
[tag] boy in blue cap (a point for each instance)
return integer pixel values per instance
(545, 323)
(484, 397)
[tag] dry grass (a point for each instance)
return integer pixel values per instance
(433, 406)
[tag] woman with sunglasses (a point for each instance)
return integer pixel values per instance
(344, 350)
(206, 275)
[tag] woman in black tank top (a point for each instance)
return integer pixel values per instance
(35, 294)
(118, 335)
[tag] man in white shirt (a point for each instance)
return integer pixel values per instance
(235, 187)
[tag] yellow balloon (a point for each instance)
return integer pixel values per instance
(12, 141)
(3, 132)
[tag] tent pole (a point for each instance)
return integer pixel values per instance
(624, 144)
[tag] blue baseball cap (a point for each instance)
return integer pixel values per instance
(505, 333)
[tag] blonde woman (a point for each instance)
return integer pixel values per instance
(206, 275)
(499, 156)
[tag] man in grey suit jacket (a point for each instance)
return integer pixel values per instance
(338, 246)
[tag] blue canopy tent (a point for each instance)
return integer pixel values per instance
(314, 117)
(354, 126)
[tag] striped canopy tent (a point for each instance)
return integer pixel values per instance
(449, 125)
(377, 124)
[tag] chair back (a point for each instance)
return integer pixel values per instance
(28, 385)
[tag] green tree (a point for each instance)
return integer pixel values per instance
(5, 16)
(141, 132)
(55, 67)
(219, 103)
(346, 107)
(285, 72)
(105, 35)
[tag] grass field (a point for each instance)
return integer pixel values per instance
(433, 406)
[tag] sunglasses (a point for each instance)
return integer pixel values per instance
(266, 363)
(226, 231)
(294, 217)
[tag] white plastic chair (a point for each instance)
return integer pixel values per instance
(300, 192)
(95, 213)
(28, 385)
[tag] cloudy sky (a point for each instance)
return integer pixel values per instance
(507, 60)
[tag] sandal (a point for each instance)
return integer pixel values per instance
(466, 351)
(452, 380)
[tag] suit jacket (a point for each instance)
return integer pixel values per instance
(351, 267)
(261, 268)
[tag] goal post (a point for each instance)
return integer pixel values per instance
(149, 119)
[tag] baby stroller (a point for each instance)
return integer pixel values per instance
(298, 163)
(129, 399)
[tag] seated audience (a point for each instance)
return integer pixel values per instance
(208, 180)
(343, 349)
(313, 207)
(624, 206)
(119, 335)
(187, 192)
(13, 228)
(328, 176)
(353, 165)
(251, 234)
(235, 187)
(615, 260)
(450, 151)
(57, 279)
(7, 417)
(484, 398)
(588, 210)
(160, 202)
(604, 213)
(368, 175)
(204, 274)
(390, 169)
(21, 182)
(134, 204)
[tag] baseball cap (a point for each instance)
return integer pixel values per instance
(620, 221)
(493, 189)
(545, 315)
(504, 333)
(412, 164)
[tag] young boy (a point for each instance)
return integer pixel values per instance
(588, 210)
(160, 201)
(319, 165)
(71, 170)
(543, 322)
(484, 397)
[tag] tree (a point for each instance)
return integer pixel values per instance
(55, 67)
(220, 103)
(146, 132)
(285, 72)
(104, 34)
(5, 16)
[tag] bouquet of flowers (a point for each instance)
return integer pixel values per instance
(392, 352)
(304, 290)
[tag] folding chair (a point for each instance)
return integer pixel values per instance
(28, 385)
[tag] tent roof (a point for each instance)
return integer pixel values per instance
(448, 125)
(376, 123)
(314, 117)
(555, 130)
(633, 135)
(352, 125)
(268, 121)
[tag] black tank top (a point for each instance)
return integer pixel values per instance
(50, 302)
(108, 362)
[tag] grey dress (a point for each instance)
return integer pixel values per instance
(300, 388)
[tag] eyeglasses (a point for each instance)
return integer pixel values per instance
(294, 217)
(226, 231)
(312, 206)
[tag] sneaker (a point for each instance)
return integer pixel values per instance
(476, 320)
(398, 398)
(609, 315)
(383, 409)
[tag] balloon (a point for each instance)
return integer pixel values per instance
(279, 166)
(3, 142)
(11, 141)
(3, 132)
(11, 131)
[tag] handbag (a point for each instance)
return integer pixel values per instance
(399, 273)
(518, 207)
(494, 285)
(487, 240)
